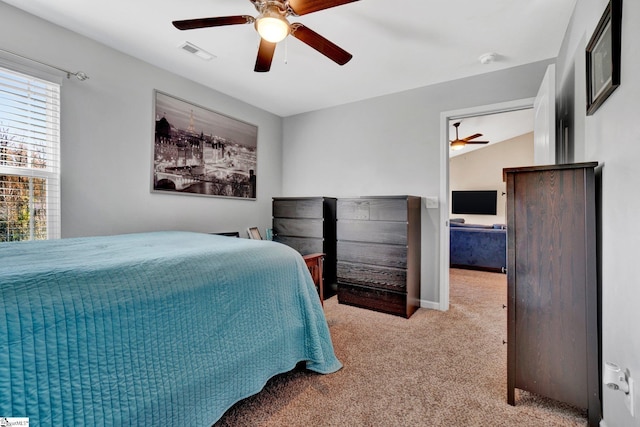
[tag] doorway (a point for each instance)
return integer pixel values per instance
(446, 119)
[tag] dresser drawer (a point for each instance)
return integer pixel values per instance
(375, 276)
(303, 245)
(394, 233)
(373, 254)
(299, 208)
(383, 209)
(298, 227)
(374, 299)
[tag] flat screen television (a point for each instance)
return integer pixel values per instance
(474, 202)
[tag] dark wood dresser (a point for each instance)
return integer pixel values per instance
(379, 253)
(308, 224)
(552, 291)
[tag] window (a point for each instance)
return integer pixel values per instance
(29, 157)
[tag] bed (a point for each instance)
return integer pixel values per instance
(163, 328)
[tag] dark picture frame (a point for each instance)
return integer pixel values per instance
(198, 151)
(603, 57)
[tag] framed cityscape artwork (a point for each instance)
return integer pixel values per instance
(198, 151)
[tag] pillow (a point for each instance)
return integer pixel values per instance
(461, 225)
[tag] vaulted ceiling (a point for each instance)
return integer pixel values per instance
(495, 128)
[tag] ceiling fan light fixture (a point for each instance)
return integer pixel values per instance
(457, 145)
(272, 26)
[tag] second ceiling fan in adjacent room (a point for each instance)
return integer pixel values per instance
(459, 144)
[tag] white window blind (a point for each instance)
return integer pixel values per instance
(29, 157)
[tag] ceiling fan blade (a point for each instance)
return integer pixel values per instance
(302, 7)
(265, 56)
(477, 142)
(319, 43)
(192, 24)
(474, 136)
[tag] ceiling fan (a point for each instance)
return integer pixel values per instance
(273, 26)
(458, 144)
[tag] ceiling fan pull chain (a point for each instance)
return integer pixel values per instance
(286, 51)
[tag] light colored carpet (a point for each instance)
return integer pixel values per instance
(434, 369)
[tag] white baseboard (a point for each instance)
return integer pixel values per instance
(429, 304)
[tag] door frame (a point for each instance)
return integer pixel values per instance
(445, 117)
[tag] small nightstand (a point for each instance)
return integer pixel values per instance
(314, 264)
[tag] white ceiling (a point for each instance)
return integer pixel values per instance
(396, 45)
(498, 127)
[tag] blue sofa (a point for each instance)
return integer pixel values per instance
(479, 247)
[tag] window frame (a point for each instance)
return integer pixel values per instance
(51, 175)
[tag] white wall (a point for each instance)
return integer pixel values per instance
(482, 170)
(611, 136)
(107, 132)
(391, 145)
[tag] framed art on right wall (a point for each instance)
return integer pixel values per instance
(603, 57)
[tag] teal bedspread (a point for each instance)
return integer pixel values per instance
(151, 329)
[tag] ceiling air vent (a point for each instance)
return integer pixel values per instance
(195, 50)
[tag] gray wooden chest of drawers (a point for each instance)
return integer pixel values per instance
(378, 253)
(308, 224)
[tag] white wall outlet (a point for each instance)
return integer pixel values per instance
(432, 202)
(629, 399)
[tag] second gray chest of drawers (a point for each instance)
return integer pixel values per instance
(378, 253)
